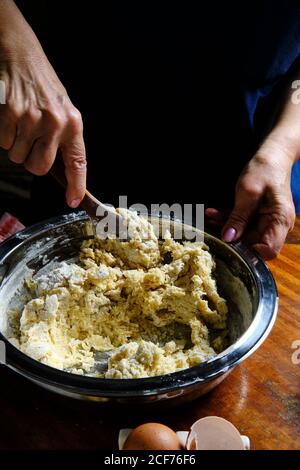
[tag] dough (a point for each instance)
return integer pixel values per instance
(151, 304)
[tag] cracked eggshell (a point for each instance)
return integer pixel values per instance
(214, 433)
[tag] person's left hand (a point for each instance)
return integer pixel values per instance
(264, 211)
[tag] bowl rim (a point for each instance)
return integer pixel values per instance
(250, 340)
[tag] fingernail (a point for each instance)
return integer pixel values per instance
(229, 234)
(75, 203)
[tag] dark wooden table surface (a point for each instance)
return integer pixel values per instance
(261, 396)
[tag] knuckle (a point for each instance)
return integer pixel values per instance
(286, 217)
(272, 252)
(56, 119)
(6, 144)
(41, 166)
(16, 113)
(43, 146)
(32, 116)
(291, 217)
(252, 189)
(291, 212)
(14, 156)
(77, 164)
(37, 170)
(75, 123)
(7, 138)
(267, 251)
(238, 219)
(41, 171)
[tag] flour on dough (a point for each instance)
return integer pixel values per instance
(153, 304)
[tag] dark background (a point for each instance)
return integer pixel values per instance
(161, 87)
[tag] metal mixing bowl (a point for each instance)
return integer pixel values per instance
(243, 279)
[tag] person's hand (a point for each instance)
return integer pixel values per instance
(38, 118)
(264, 212)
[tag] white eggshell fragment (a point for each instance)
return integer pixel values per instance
(214, 433)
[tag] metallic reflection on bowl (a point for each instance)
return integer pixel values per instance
(243, 279)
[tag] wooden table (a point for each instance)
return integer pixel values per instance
(261, 396)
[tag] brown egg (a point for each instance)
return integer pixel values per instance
(152, 436)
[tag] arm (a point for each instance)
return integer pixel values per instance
(264, 211)
(38, 117)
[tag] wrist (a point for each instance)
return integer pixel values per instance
(281, 145)
(17, 40)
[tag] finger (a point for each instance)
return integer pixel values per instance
(215, 216)
(246, 202)
(271, 233)
(213, 222)
(74, 157)
(8, 132)
(27, 133)
(42, 155)
(272, 242)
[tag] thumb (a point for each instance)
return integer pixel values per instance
(246, 202)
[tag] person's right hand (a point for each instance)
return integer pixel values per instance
(38, 118)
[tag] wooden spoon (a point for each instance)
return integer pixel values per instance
(94, 208)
